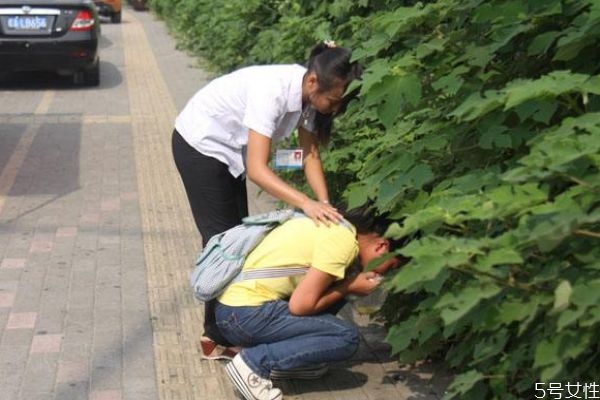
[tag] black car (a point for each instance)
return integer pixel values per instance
(59, 35)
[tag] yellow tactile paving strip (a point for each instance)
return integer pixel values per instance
(170, 238)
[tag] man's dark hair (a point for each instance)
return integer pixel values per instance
(366, 220)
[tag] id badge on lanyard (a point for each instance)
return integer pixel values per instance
(288, 159)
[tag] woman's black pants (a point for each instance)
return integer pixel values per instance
(218, 202)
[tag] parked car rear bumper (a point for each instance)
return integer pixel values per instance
(29, 55)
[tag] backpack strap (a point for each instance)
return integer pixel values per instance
(274, 272)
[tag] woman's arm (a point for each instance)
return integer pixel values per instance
(313, 169)
(257, 168)
(317, 291)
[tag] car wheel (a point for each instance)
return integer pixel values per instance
(91, 76)
(88, 76)
(115, 18)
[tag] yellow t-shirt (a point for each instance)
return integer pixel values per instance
(299, 241)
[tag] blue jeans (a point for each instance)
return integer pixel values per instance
(272, 338)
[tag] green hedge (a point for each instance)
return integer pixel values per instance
(478, 128)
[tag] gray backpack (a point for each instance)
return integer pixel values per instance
(220, 262)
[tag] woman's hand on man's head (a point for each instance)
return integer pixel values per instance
(321, 212)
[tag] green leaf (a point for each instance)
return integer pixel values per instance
(352, 86)
(427, 327)
(356, 195)
(545, 8)
(586, 293)
(591, 317)
(549, 373)
(414, 273)
(374, 75)
(499, 257)
(456, 305)
(503, 141)
(571, 45)
(418, 329)
(434, 45)
(390, 190)
(538, 302)
(436, 284)
(568, 317)
(420, 175)
(435, 142)
(547, 352)
(538, 110)
(371, 47)
(451, 83)
(400, 335)
(486, 13)
(492, 137)
(541, 43)
(389, 109)
(477, 56)
(491, 345)
(394, 91)
(419, 220)
(516, 310)
(463, 383)
(476, 106)
(502, 36)
(561, 347)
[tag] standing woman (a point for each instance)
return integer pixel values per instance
(225, 132)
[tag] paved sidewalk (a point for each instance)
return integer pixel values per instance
(96, 245)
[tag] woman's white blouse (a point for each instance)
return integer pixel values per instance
(266, 99)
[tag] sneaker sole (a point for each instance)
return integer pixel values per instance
(304, 374)
(219, 357)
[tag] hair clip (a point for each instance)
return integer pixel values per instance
(329, 43)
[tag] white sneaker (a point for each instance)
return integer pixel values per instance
(250, 385)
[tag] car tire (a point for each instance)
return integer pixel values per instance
(91, 76)
(115, 18)
(88, 76)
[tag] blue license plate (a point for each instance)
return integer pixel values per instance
(28, 23)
